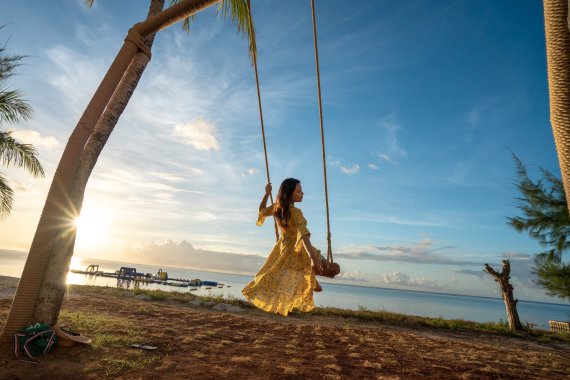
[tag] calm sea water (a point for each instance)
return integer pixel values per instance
(448, 306)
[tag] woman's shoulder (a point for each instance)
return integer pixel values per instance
(296, 212)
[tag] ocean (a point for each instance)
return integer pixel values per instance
(427, 304)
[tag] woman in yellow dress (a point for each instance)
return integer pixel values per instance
(287, 279)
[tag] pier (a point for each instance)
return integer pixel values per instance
(161, 277)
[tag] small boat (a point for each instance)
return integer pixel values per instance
(178, 284)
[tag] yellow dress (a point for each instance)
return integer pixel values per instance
(286, 280)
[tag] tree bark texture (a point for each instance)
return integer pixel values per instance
(50, 298)
(59, 212)
(507, 292)
(558, 64)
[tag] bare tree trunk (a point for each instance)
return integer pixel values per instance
(59, 213)
(50, 298)
(507, 292)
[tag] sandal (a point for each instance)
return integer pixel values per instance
(144, 346)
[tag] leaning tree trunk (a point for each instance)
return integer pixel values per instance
(507, 292)
(58, 214)
(50, 297)
(556, 25)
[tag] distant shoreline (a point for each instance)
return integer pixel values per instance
(323, 280)
(12, 282)
(8, 286)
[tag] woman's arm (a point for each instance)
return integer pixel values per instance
(263, 203)
(313, 254)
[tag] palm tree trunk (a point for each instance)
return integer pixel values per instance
(57, 216)
(59, 213)
(50, 298)
(558, 59)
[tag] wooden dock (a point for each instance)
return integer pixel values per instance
(161, 278)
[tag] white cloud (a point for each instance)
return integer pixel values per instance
(355, 276)
(184, 254)
(167, 176)
(373, 166)
(476, 273)
(413, 222)
(74, 81)
(249, 172)
(391, 128)
(377, 217)
(162, 187)
(385, 157)
(165, 198)
(28, 136)
(422, 252)
(199, 133)
(186, 169)
(350, 170)
(355, 168)
(400, 278)
(517, 255)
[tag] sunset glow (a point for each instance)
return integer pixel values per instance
(93, 226)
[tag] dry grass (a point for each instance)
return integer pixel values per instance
(209, 344)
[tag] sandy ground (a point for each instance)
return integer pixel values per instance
(197, 342)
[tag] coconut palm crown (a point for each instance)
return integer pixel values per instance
(13, 108)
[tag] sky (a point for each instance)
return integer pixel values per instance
(424, 103)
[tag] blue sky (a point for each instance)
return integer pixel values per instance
(423, 103)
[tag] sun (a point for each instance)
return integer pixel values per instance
(76, 263)
(93, 226)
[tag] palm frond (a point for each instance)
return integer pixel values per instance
(13, 107)
(6, 197)
(238, 12)
(89, 3)
(8, 62)
(13, 153)
(186, 23)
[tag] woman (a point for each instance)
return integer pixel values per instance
(287, 279)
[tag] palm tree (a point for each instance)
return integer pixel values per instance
(558, 61)
(13, 153)
(13, 108)
(52, 247)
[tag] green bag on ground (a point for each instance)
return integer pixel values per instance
(35, 340)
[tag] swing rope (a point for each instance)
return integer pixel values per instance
(329, 249)
(254, 58)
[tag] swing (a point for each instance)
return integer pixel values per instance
(330, 268)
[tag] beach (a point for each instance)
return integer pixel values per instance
(209, 340)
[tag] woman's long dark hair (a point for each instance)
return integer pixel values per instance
(281, 208)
